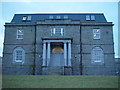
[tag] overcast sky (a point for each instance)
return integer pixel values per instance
(8, 9)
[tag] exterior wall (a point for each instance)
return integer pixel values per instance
(117, 66)
(70, 31)
(11, 43)
(82, 45)
(105, 42)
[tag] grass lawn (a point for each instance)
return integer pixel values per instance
(30, 81)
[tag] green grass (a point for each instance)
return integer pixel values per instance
(30, 81)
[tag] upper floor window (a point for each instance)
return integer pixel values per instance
(50, 17)
(58, 17)
(57, 31)
(96, 33)
(19, 33)
(97, 55)
(87, 17)
(18, 55)
(92, 17)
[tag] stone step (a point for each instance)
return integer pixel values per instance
(55, 70)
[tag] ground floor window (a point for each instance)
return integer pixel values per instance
(97, 55)
(18, 55)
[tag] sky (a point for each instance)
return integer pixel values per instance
(8, 9)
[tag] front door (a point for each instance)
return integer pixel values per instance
(57, 61)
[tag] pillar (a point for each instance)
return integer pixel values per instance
(65, 54)
(44, 54)
(69, 53)
(48, 53)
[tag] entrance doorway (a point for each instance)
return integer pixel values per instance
(57, 55)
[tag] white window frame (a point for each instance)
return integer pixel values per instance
(16, 55)
(54, 31)
(96, 34)
(62, 31)
(87, 17)
(93, 17)
(19, 35)
(97, 55)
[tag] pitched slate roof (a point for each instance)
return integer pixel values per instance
(99, 17)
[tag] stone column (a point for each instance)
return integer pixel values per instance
(48, 53)
(44, 54)
(69, 53)
(65, 54)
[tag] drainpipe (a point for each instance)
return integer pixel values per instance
(81, 68)
(34, 64)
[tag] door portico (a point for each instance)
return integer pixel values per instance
(47, 53)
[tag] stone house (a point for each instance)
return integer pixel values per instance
(59, 44)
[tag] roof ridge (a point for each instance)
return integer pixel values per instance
(59, 13)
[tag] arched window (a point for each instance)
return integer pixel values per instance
(18, 55)
(97, 55)
(57, 50)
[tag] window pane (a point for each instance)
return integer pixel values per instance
(20, 31)
(62, 31)
(19, 54)
(97, 54)
(19, 34)
(96, 33)
(57, 31)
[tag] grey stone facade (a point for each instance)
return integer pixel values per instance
(78, 32)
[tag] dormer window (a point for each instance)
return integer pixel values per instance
(24, 18)
(87, 17)
(58, 17)
(65, 17)
(29, 18)
(50, 17)
(92, 17)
